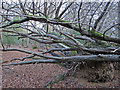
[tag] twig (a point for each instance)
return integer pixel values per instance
(21, 59)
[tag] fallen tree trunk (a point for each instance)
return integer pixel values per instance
(99, 57)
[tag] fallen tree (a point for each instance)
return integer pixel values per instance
(84, 39)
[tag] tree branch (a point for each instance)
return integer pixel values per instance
(58, 9)
(32, 62)
(99, 57)
(65, 10)
(57, 22)
(101, 16)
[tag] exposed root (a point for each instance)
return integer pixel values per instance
(62, 76)
(58, 78)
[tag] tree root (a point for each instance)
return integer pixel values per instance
(56, 79)
(62, 76)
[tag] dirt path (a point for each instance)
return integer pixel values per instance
(37, 75)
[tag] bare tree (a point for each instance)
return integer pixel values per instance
(68, 27)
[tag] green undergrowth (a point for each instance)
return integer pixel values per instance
(12, 40)
(73, 53)
(34, 47)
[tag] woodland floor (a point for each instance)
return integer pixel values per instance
(37, 75)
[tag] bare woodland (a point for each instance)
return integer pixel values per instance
(86, 34)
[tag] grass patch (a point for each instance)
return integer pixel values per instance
(34, 47)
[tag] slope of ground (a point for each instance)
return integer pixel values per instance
(37, 75)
